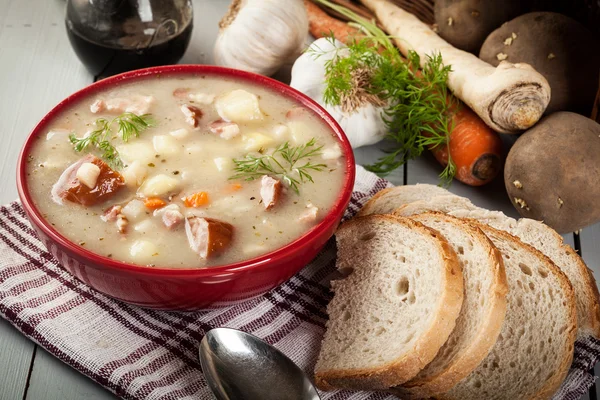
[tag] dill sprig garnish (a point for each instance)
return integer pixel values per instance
(418, 111)
(129, 125)
(283, 162)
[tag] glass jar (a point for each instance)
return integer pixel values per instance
(114, 36)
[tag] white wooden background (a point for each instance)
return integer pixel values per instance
(37, 70)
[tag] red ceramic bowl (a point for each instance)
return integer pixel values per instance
(187, 288)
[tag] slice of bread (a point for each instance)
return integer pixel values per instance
(394, 309)
(496, 219)
(387, 200)
(546, 240)
(482, 313)
(549, 242)
(534, 350)
(446, 204)
(538, 235)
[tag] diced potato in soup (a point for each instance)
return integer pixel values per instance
(183, 190)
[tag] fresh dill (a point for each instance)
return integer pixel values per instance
(283, 162)
(417, 108)
(129, 125)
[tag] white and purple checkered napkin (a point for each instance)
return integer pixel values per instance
(145, 354)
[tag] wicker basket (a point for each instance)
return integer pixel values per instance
(423, 9)
(585, 11)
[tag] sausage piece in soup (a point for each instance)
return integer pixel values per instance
(185, 172)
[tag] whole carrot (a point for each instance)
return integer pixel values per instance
(321, 24)
(475, 149)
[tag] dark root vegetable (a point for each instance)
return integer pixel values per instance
(466, 23)
(552, 172)
(559, 48)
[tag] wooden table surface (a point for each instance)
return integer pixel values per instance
(38, 69)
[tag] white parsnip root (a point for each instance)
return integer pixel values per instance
(509, 98)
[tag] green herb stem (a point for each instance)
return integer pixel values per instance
(129, 125)
(283, 163)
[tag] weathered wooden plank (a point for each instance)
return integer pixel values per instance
(207, 14)
(369, 154)
(590, 249)
(51, 379)
(16, 352)
(3, 20)
(38, 70)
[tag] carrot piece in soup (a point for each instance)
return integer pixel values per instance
(154, 203)
(234, 187)
(199, 199)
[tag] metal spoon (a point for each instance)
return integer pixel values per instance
(239, 366)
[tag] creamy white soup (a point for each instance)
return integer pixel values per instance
(185, 172)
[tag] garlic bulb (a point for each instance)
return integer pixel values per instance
(261, 35)
(364, 124)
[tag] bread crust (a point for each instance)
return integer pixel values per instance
(552, 383)
(591, 324)
(370, 204)
(427, 346)
(488, 331)
(593, 296)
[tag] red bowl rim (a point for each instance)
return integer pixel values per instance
(281, 253)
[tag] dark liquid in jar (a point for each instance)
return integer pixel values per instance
(103, 59)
